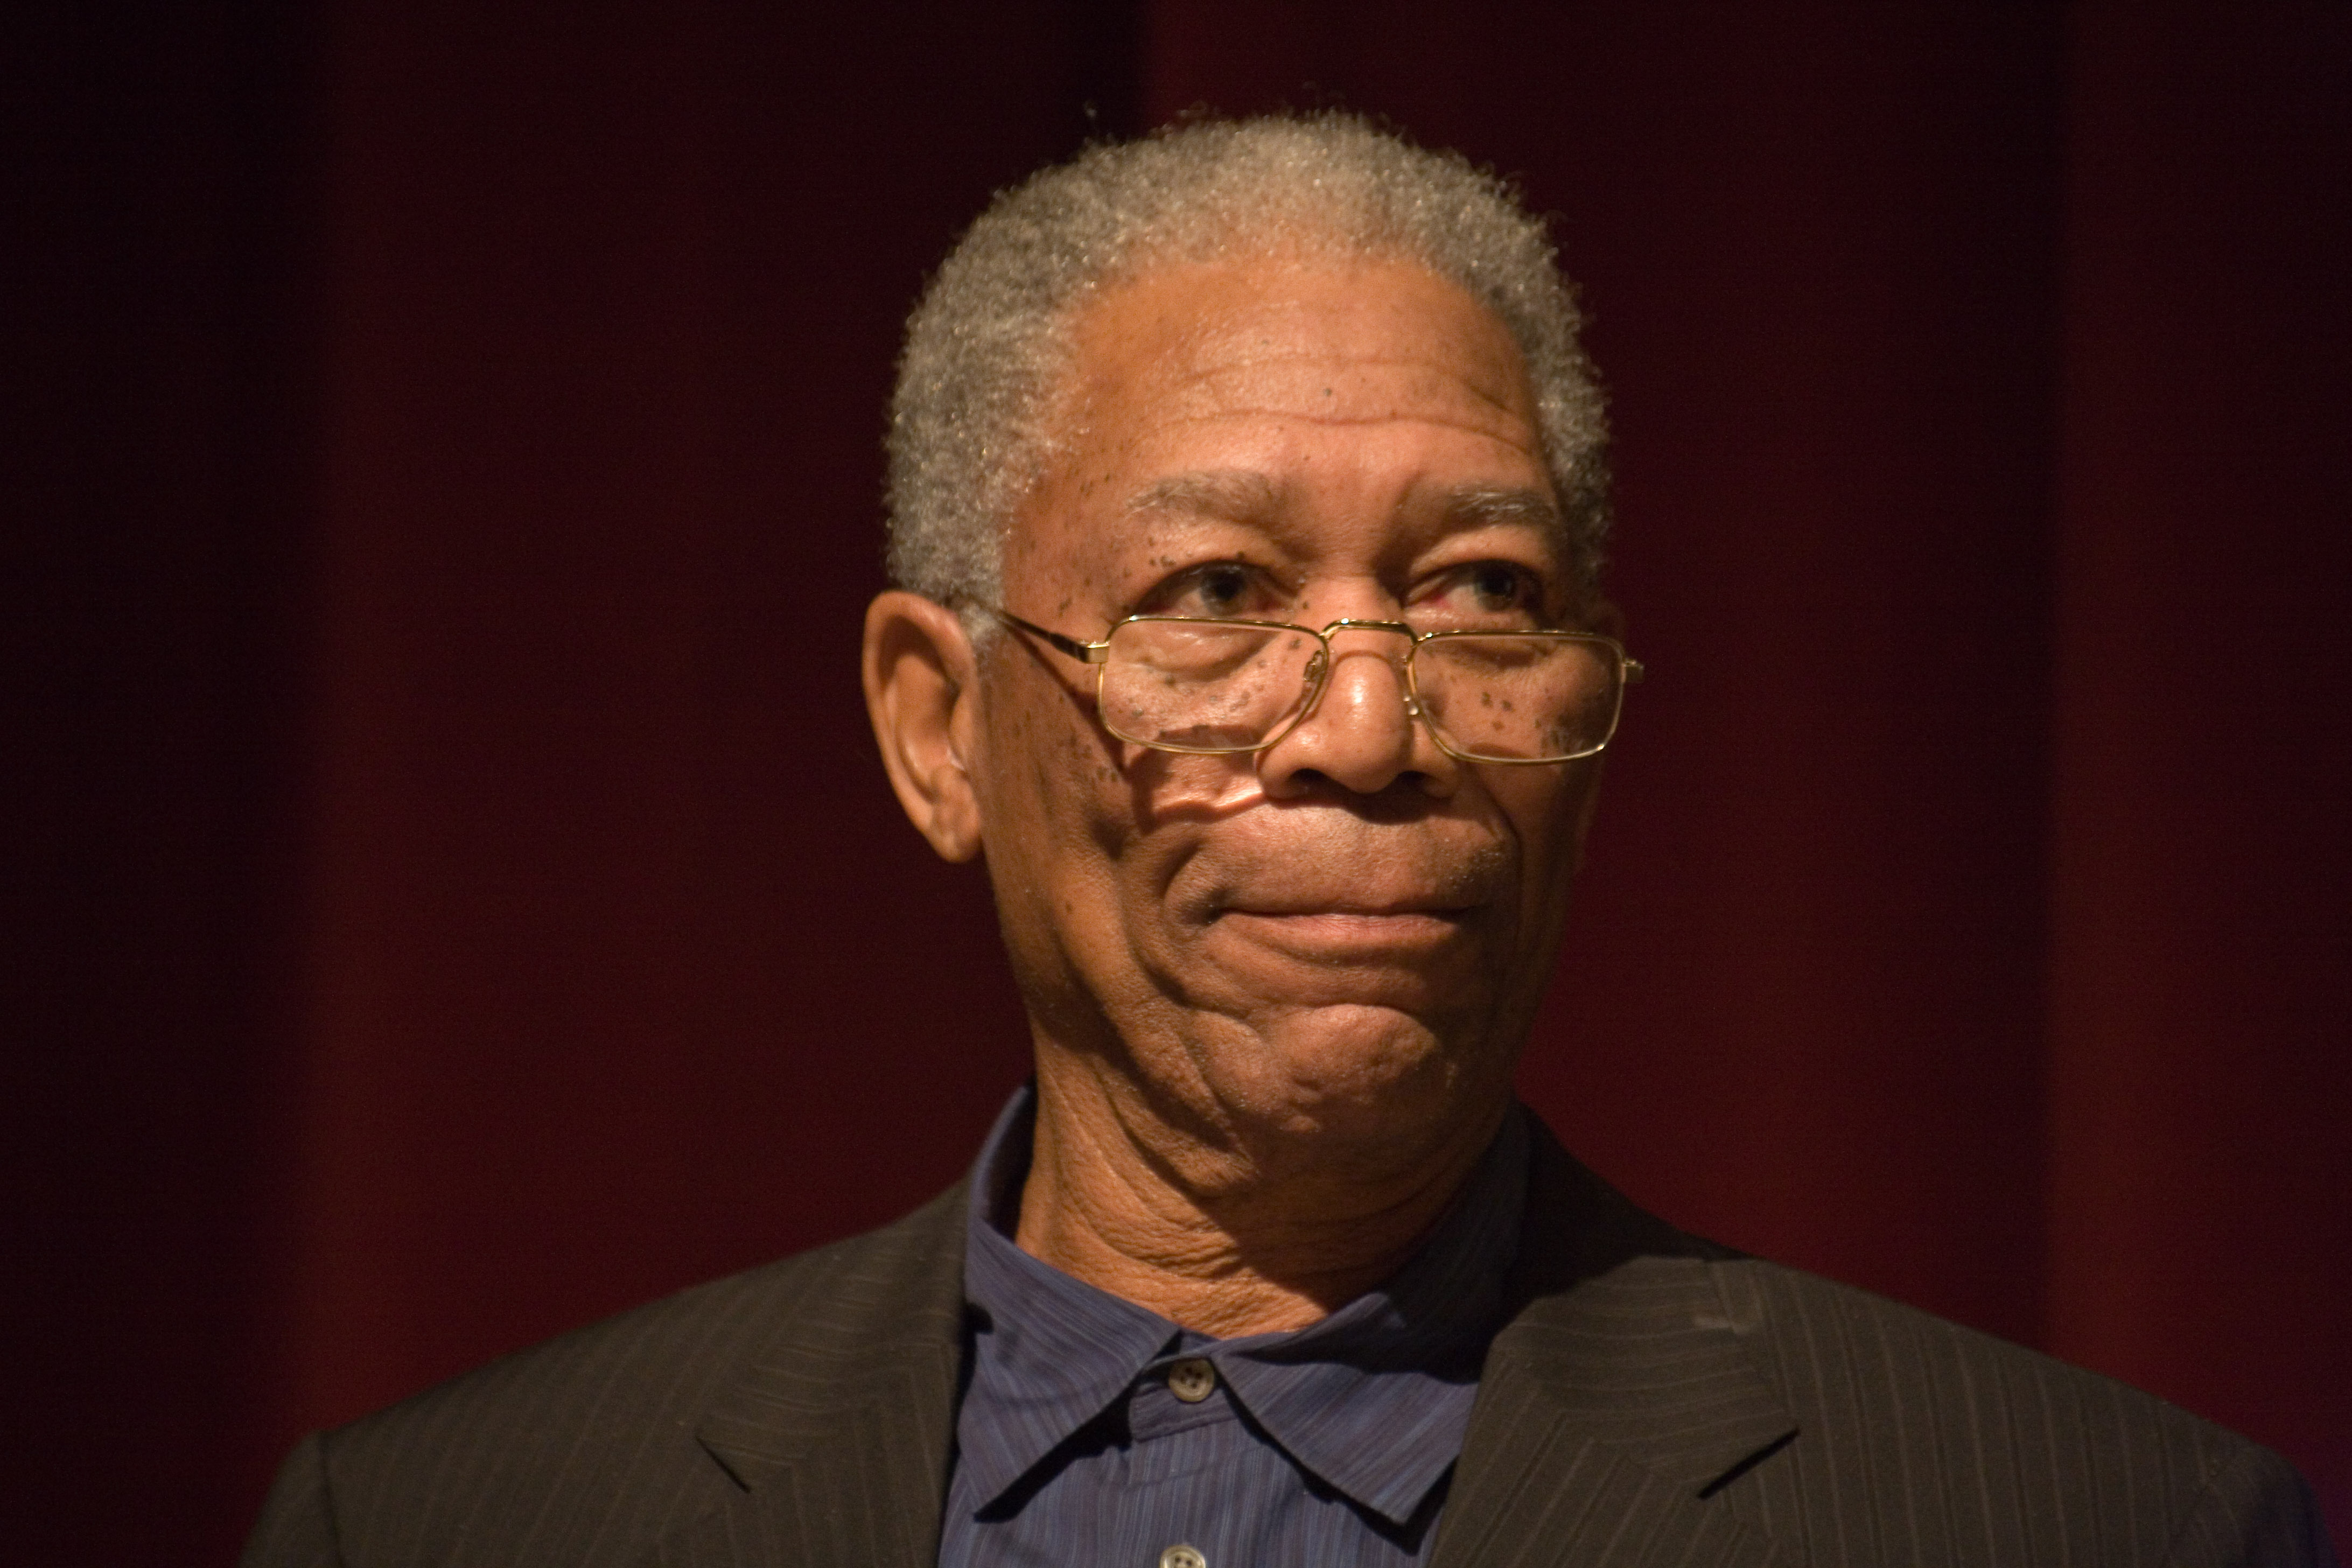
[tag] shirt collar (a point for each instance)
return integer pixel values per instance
(1401, 1361)
(1054, 1352)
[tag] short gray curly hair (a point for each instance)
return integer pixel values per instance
(989, 344)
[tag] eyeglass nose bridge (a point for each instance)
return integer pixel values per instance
(1351, 623)
(1319, 669)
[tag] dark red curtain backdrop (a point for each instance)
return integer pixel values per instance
(462, 900)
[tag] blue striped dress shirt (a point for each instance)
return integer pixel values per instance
(1096, 1434)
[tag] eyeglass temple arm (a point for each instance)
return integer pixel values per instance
(1083, 652)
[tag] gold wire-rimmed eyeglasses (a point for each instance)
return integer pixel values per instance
(1209, 686)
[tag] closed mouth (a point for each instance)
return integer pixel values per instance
(1350, 905)
(1339, 929)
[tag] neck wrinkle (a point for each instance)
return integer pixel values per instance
(1099, 1208)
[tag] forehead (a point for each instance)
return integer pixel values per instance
(1278, 391)
(1202, 338)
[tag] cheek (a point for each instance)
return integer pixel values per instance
(1547, 808)
(1053, 791)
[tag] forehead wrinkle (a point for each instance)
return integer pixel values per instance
(1384, 417)
(1503, 395)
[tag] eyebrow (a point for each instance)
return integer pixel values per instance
(1244, 494)
(1236, 493)
(1509, 504)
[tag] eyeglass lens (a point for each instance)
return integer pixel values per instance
(1221, 686)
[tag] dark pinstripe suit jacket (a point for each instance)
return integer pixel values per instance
(1655, 1400)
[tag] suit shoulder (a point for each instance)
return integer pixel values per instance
(1836, 1347)
(1970, 1429)
(584, 1446)
(683, 1343)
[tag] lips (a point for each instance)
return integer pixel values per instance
(1333, 867)
(1336, 942)
(1347, 906)
(1336, 925)
(1334, 887)
(1383, 875)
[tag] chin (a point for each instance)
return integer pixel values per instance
(1353, 1070)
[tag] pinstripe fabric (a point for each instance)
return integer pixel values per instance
(797, 1414)
(1928, 1444)
(1655, 1401)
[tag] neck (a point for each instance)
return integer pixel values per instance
(1230, 1241)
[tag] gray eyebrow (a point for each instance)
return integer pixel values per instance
(1212, 492)
(1505, 505)
(1242, 493)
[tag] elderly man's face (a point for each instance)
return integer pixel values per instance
(1345, 933)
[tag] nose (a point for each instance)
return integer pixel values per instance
(1361, 734)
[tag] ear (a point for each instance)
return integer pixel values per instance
(920, 693)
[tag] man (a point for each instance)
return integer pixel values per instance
(1246, 486)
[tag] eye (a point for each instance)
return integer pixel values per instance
(1218, 590)
(1482, 594)
(1499, 585)
(1223, 588)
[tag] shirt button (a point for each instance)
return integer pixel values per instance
(1192, 1381)
(1182, 1556)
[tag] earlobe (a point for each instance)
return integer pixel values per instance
(919, 676)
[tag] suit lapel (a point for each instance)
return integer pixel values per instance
(839, 1431)
(1619, 1394)
(1618, 1399)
